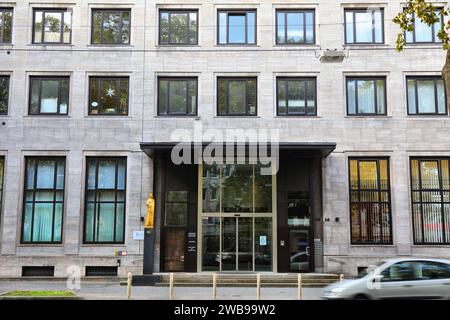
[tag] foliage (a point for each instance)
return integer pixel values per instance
(40, 293)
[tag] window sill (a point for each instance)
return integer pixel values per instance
(373, 245)
(52, 116)
(226, 46)
(427, 116)
(6, 45)
(297, 117)
(237, 116)
(177, 46)
(50, 45)
(177, 117)
(102, 245)
(110, 46)
(109, 117)
(357, 46)
(40, 245)
(369, 117)
(297, 46)
(430, 45)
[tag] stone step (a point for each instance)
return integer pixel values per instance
(245, 285)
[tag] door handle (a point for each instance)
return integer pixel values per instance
(307, 251)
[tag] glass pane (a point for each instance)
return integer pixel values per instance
(177, 97)
(97, 27)
(296, 96)
(445, 170)
(281, 37)
(368, 175)
(108, 96)
(351, 96)
(354, 174)
(298, 209)
(263, 244)
(245, 244)
(106, 174)
(176, 214)
(35, 90)
(411, 97)
(263, 191)
(384, 174)
(378, 17)
(111, 27)
(281, 95)
(105, 225)
(251, 96)
(67, 27)
(179, 28)
(211, 244)
(120, 220)
(430, 174)
(89, 231)
(425, 92)
(442, 108)
(57, 228)
(229, 249)
(438, 27)
(222, 96)
(52, 27)
(350, 37)
(45, 174)
(49, 96)
(45, 196)
(125, 27)
(123, 102)
(236, 28)
(174, 250)
(237, 96)
(432, 223)
(364, 26)
(366, 96)
(94, 96)
(381, 106)
(42, 223)
(7, 31)
(409, 37)
(237, 189)
(295, 28)
(177, 196)
(299, 250)
(309, 16)
(162, 96)
(121, 174)
(423, 31)
(251, 24)
(92, 174)
(192, 28)
(164, 28)
(356, 223)
(64, 96)
(4, 94)
(311, 96)
(26, 228)
(192, 96)
(211, 185)
(38, 27)
(223, 26)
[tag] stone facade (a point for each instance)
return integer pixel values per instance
(78, 135)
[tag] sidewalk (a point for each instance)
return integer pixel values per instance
(114, 291)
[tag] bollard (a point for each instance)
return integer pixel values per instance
(214, 293)
(258, 286)
(171, 286)
(299, 289)
(129, 286)
(341, 278)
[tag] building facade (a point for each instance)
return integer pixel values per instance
(91, 94)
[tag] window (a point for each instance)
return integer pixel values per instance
(105, 200)
(52, 26)
(430, 270)
(177, 96)
(236, 96)
(426, 95)
(296, 96)
(6, 25)
(430, 187)
(43, 200)
(178, 27)
(176, 208)
(370, 201)
(401, 271)
(111, 26)
(366, 96)
(295, 26)
(49, 95)
(236, 27)
(424, 33)
(2, 173)
(108, 96)
(4, 94)
(364, 26)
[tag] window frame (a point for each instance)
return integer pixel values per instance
(8, 79)
(355, 43)
(97, 202)
(285, 12)
(366, 78)
(2, 182)
(102, 78)
(109, 10)
(179, 79)
(2, 27)
(40, 79)
(237, 12)
(442, 203)
(242, 79)
(379, 190)
(61, 31)
(435, 79)
(54, 202)
(433, 32)
(185, 11)
(302, 79)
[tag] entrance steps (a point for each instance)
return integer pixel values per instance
(274, 280)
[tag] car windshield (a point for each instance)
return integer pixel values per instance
(369, 269)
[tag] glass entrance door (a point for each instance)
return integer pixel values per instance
(300, 251)
(237, 244)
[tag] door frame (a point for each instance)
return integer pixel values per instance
(310, 231)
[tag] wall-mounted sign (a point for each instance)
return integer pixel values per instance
(138, 235)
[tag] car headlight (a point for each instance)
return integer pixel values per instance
(337, 290)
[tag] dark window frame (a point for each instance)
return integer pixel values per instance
(34, 190)
(2, 27)
(237, 12)
(302, 79)
(435, 79)
(40, 79)
(433, 32)
(379, 190)
(441, 191)
(242, 79)
(285, 12)
(61, 32)
(98, 202)
(109, 78)
(108, 10)
(366, 78)
(2, 181)
(170, 11)
(177, 114)
(8, 83)
(355, 43)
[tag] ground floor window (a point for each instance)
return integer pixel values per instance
(430, 187)
(370, 202)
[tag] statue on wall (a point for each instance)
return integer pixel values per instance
(150, 219)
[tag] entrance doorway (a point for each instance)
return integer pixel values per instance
(300, 251)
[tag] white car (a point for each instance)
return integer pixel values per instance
(407, 278)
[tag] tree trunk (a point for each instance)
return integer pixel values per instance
(446, 75)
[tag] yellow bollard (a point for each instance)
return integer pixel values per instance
(214, 294)
(341, 278)
(171, 286)
(129, 286)
(258, 286)
(299, 287)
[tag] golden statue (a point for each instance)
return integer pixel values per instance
(149, 221)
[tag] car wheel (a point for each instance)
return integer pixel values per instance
(361, 297)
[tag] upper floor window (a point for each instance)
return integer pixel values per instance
(177, 96)
(52, 26)
(4, 94)
(423, 33)
(178, 27)
(366, 96)
(43, 200)
(296, 96)
(6, 25)
(49, 95)
(426, 95)
(236, 96)
(237, 27)
(364, 26)
(295, 27)
(111, 26)
(108, 95)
